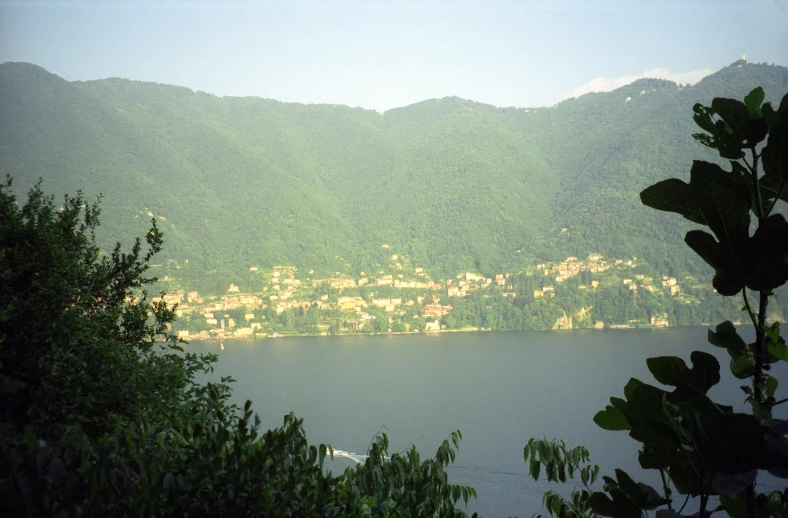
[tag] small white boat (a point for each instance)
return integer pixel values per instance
(221, 346)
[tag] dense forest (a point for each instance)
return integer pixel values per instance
(453, 184)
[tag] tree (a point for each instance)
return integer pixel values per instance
(703, 448)
(74, 319)
(380, 323)
(100, 414)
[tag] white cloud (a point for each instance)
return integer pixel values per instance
(604, 84)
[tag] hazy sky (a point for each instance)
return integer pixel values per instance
(382, 54)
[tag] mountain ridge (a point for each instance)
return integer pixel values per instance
(452, 183)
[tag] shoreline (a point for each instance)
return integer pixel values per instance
(464, 330)
(326, 335)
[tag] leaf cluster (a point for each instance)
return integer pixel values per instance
(702, 448)
(560, 463)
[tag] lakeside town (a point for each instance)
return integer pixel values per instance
(403, 298)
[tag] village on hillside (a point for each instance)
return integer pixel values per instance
(404, 298)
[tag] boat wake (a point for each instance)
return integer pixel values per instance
(360, 459)
(355, 457)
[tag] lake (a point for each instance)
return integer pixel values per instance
(499, 389)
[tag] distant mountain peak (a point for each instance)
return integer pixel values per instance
(22, 66)
(21, 69)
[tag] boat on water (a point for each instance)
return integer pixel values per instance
(221, 346)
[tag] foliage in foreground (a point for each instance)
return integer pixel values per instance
(100, 414)
(701, 448)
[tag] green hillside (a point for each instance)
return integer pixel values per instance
(454, 184)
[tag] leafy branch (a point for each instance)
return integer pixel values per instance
(702, 448)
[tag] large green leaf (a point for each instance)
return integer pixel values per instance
(723, 203)
(735, 506)
(767, 254)
(705, 246)
(730, 443)
(661, 446)
(725, 282)
(703, 174)
(631, 386)
(705, 371)
(770, 386)
(775, 160)
(731, 125)
(672, 195)
(704, 118)
(733, 483)
(684, 474)
(769, 114)
(724, 206)
(691, 384)
(611, 418)
(668, 370)
(753, 101)
(725, 335)
(742, 366)
(627, 499)
(698, 405)
(778, 349)
(744, 130)
(740, 179)
(646, 403)
(759, 262)
(733, 112)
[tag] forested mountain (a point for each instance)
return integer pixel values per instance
(454, 184)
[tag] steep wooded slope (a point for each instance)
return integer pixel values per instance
(453, 183)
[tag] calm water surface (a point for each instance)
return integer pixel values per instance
(499, 389)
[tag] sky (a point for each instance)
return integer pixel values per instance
(385, 54)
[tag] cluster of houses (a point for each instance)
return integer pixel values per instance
(647, 283)
(595, 264)
(571, 266)
(281, 291)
